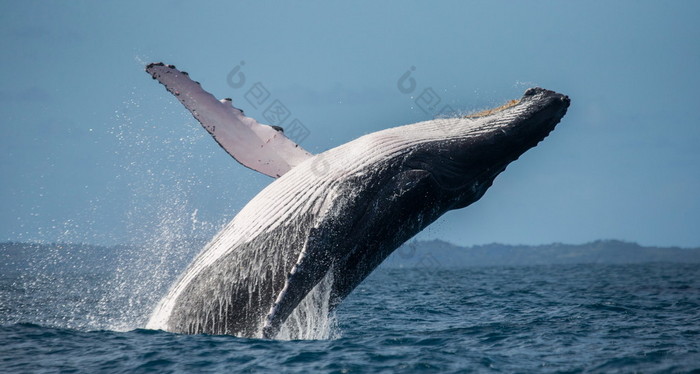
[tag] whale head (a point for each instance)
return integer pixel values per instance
(474, 149)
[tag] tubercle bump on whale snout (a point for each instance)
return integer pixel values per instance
(534, 91)
(566, 100)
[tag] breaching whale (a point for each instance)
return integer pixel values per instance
(339, 213)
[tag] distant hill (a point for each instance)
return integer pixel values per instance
(438, 253)
(63, 257)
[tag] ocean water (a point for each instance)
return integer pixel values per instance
(564, 318)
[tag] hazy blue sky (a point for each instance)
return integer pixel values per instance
(93, 150)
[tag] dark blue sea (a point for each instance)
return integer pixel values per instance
(563, 318)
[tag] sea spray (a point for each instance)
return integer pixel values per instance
(162, 226)
(164, 177)
(313, 319)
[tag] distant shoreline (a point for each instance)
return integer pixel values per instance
(440, 253)
(17, 256)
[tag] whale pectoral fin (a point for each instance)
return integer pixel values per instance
(257, 146)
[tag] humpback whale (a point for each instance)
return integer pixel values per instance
(337, 214)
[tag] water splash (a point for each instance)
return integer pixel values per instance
(116, 287)
(144, 272)
(163, 228)
(161, 175)
(313, 319)
(163, 220)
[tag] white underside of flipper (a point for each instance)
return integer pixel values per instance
(257, 146)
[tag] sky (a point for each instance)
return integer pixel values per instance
(93, 150)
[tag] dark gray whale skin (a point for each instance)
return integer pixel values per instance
(378, 210)
(456, 174)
